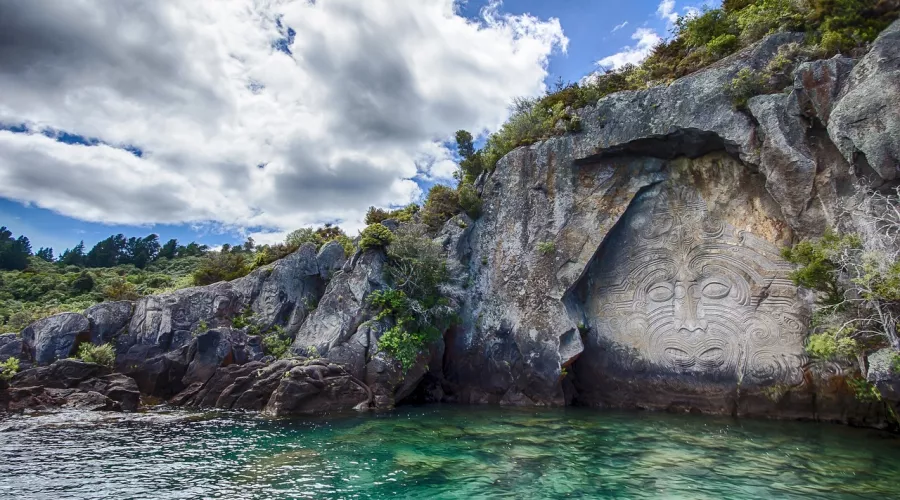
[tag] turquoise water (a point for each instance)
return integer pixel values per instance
(441, 452)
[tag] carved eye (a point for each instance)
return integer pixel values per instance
(660, 292)
(716, 290)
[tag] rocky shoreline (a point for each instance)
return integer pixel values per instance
(666, 193)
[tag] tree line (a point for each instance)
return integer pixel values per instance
(110, 252)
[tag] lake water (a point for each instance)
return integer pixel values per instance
(441, 452)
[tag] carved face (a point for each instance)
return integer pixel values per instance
(684, 294)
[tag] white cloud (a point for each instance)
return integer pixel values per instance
(666, 10)
(646, 38)
(619, 26)
(235, 133)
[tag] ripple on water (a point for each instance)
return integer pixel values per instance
(440, 452)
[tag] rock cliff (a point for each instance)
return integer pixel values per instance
(633, 264)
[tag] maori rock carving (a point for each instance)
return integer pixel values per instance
(680, 291)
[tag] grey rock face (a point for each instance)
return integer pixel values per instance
(864, 123)
(63, 374)
(330, 259)
(56, 337)
(108, 319)
(280, 293)
(11, 346)
(317, 388)
(342, 308)
(882, 374)
(72, 384)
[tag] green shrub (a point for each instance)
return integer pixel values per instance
(9, 368)
(375, 236)
(409, 336)
(546, 247)
(442, 204)
(103, 355)
(376, 215)
(277, 343)
(469, 201)
(746, 84)
(120, 289)
(83, 283)
(220, 266)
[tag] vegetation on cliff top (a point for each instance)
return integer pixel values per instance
(831, 27)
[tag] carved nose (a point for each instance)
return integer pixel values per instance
(692, 324)
(686, 301)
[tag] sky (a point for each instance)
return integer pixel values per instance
(215, 120)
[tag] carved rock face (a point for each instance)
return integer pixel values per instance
(679, 291)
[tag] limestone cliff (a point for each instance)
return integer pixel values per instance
(635, 263)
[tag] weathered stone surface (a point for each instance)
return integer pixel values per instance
(157, 373)
(63, 374)
(317, 388)
(330, 259)
(342, 309)
(11, 346)
(108, 319)
(280, 293)
(864, 123)
(47, 399)
(820, 83)
(207, 353)
(207, 394)
(117, 387)
(70, 383)
(883, 375)
(56, 337)
(681, 306)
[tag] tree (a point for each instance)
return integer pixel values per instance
(141, 251)
(249, 245)
(45, 254)
(169, 250)
(73, 257)
(471, 165)
(302, 236)
(442, 204)
(107, 253)
(14, 253)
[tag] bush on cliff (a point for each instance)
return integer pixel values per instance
(858, 280)
(8, 369)
(416, 269)
(220, 266)
(103, 355)
(375, 236)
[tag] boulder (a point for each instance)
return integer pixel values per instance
(342, 309)
(317, 388)
(277, 294)
(62, 374)
(864, 122)
(883, 374)
(46, 399)
(118, 387)
(55, 337)
(330, 259)
(11, 346)
(108, 319)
